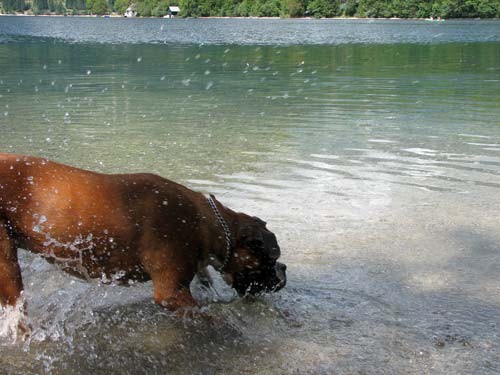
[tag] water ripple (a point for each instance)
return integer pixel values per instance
(250, 31)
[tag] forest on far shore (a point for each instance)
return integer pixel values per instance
(265, 8)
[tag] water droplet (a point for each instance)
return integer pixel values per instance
(89, 72)
(139, 59)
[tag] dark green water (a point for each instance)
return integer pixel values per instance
(372, 150)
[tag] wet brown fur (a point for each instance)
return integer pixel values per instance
(94, 225)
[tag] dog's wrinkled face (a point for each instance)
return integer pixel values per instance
(254, 268)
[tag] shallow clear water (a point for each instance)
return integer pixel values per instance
(371, 149)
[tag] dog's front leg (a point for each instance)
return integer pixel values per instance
(11, 288)
(171, 287)
(170, 292)
(171, 272)
(173, 298)
(11, 284)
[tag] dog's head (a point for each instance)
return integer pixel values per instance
(253, 267)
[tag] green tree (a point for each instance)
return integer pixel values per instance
(480, 8)
(121, 6)
(374, 8)
(98, 7)
(323, 8)
(269, 9)
(488, 9)
(292, 8)
(161, 8)
(331, 8)
(59, 8)
(145, 8)
(348, 8)
(9, 6)
(243, 9)
(39, 6)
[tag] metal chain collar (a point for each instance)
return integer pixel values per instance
(227, 233)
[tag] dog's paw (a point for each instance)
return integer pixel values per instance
(24, 330)
(14, 324)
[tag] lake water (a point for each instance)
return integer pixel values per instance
(371, 148)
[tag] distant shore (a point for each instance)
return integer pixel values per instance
(116, 15)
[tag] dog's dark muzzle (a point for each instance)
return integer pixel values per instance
(269, 280)
(280, 270)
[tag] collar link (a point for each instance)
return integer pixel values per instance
(225, 228)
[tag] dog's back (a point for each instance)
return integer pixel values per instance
(82, 220)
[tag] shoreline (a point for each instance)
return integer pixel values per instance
(116, 15)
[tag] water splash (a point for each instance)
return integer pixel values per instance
(13, 321)
(211, 287)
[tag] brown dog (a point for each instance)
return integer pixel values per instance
(127, 227)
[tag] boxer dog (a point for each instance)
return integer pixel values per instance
(128, 228)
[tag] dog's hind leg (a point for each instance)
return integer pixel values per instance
(11, 284)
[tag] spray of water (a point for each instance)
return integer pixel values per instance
(13, 321)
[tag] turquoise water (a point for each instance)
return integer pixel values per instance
(372, 149)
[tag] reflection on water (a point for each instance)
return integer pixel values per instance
(377, 166)
(246, 31)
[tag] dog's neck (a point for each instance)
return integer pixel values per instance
(224, 255)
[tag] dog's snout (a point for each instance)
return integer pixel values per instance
(280, 267)
(280, 271)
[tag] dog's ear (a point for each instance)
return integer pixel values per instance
(259, 220)
(271, 245)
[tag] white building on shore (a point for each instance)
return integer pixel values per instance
(172, 12)
(130, 12)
